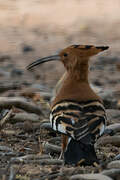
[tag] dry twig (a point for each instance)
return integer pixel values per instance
(90, 177)
(12, 173)
(6, 118)
(20, 117)
(115, 127)
(47, 126)
(114, 140)
(51, 148)
(22, 103)
(111, 172)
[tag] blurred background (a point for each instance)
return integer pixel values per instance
(30, 29)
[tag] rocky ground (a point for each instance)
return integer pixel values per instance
(29, 149)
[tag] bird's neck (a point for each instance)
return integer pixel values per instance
(75, 86)
(79, 73)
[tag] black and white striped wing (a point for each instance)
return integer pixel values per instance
(82, 121)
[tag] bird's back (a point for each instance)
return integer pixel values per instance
(78, 112)
(74, 90)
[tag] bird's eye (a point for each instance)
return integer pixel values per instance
(65, 54)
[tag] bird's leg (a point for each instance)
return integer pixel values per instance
(64, 142)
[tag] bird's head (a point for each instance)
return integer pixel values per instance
(72, 56)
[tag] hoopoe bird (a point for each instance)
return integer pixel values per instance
(77, 112)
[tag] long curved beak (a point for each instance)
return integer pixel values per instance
(42, 60)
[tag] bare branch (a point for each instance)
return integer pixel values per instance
(21, 117)
(114, 127)
(22, 103)
(6, 118)
(114, 140)
(47, 126)
(111, 172)
(51, 148)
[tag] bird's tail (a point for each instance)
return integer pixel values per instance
(79, 153)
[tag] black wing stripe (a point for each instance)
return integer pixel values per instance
(64, 108)
(61, 119)
(97, 103)
(92, 108)
(65, 104)
(79, 133)
(82, 136)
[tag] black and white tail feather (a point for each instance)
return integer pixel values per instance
(83, 122)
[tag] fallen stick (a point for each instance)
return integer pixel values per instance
(117, 157)
(115, 127)
(114, 164)
(52, 140)
(37, 156)
(42, 161)
(51, 148)
(114, 140)
(6, 118)
(45, 162)
(90, 177)
(21, 117)
(31, 158)
(5, 148)
(50, 176)
(8, 154)
(47, 126)
(111, 172)
(5, 87)
(12, 173)
(22, 103)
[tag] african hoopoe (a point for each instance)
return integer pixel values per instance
(77, 112)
